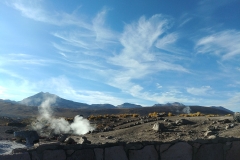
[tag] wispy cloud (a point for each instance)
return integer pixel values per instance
(224, 44)
(204, 90)
(102, 32)
(185, 21)
(139, 40)
(12, 74)
(25, 59)
(33, 9)
(167, 40)
(159, 86)
(62, 87)
(116, 58)
(140, 56)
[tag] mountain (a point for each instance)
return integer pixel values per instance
(174, 104)
(67, 108)
(129, 105)
(37, 99)
(8, 101)
(9, 109)
(100, 106)
(222, 108)
(58, 102)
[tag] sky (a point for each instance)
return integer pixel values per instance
(142, 52)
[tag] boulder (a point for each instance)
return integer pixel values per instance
(30, 136)
(62, 138)
(158, 127)
(227, 127)
(236, 117)
(107, 128)
(83, 140)
(224, 121)
(209, 133)
(182, 122)
(69, 140)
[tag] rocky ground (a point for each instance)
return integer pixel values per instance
(160, 129)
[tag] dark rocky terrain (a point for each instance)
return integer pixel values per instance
(134, 129)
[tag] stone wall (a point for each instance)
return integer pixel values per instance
(217, 149)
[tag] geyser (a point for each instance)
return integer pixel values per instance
(47, 123)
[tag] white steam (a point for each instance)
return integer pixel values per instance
(187, 110)
(47, 124)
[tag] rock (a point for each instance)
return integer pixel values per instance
(190, 132)
(216, 128)
(233, 153)
(69, 140)
(116, 153)
(54, 154)
(83, 140)
(224, 121)
(107, 128)
(212, 137)
(210, 152)
(133, 146)
(35, 155)
(16, 124)
(182, 122)
(236, 117)
(179, 151)
(166, 120)
(210, 128)
(148, 152)
(40, 147)
(232, 125)
(30, 136)
(84, 154)
(20, 156)
(160, 118)
(227, 127)
(196, 145)
(158, 127)
(170, 124)
(109, 137)
(164, 147)
(19, 150)
(204, 122)
(163, 114)
(209, 133)
(61, 138)
(70, 152)
(98, 153)
(9, 131)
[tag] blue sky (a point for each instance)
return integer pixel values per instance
(142, 52)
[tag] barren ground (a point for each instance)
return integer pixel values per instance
(140, 129)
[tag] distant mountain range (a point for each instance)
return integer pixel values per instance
(58, 102)
(37, 99)
(169, 104)
(222, 108)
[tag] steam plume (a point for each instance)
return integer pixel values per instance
(187, 110)
(47, 123)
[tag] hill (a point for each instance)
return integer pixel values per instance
(64, 107)
(37, 99)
